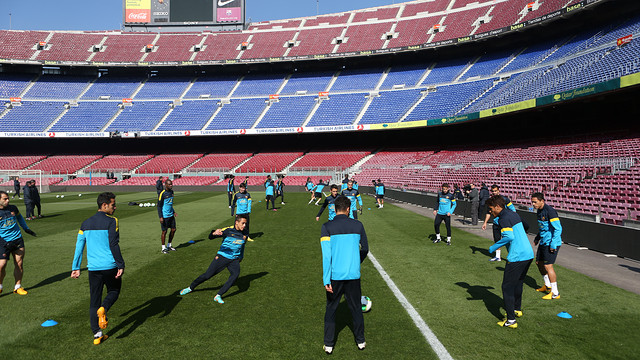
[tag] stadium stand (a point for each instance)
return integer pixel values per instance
(70, 46)
(168, 163)
(259, 84)
(87, 116)
(195, 180)
(317, 41)
(268, 162)
(65, 164)
(23, 181)
(221, 46)
(57, 87)
(20, 44)
(216, 87)
(339, 109)
(12, 85)
(141, 115)
(390, 106)
(123, 47)
(85, 181)
(18, 162)
(112, 87)
(309, 82)
(191, 115)
(174, 47)
(337, 160)
(227, 116)
(268, 45)
(119, 163)
(365, 37)
(220, 162)
(287, 112)
(163, 88)
(32, 116)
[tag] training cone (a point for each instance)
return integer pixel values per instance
(565, 315)
(49, 323)
(192, 241)
(368, 208)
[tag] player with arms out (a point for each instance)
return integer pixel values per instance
(317, 192)
(495, 191)
(344, 247)
(514, 237)
(445, 204)
(329, 202)
(229, 256)
(167, 216)
(11, 241)
(309, 188)
(549, 241)
(101, 235)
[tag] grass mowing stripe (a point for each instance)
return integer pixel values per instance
(436, 345)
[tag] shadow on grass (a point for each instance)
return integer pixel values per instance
(343, 320)
(158, 306)
(243, 283)
(46, 217)
(53, 279)
(483, 251)
(492, 302)
(631, 268)
(256, 235)
(186, 244)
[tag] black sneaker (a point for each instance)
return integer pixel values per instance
(436, 241)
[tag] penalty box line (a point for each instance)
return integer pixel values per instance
(432, 339)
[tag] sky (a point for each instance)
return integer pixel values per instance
(107, 14)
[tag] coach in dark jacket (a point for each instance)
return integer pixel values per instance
(484, 196)
(474, 197)
(28, 203)
(16, 188)
(159, 186)
(35, 198)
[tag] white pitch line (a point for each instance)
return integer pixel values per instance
(436, 345)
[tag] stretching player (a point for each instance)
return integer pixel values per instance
(495, 191)
(344, 247)
(167, 216)
(329, 202)
(446, 204)
(309, 188)
(11, 241)
(353, 195)
(514, 237)
(229, 256)
(270, 193)
(100, 233)
(246, 182)
(549, 244)
(317, 192)
(231, 189)
(242, 205)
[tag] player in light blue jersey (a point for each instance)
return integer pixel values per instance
(445, 205)
(11, 241)
(549, 241)
(354, 195)
(167, 215)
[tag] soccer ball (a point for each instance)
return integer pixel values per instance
(62, 196)
(58, 196)
(141, 205)
(365, 301)
(79, 194)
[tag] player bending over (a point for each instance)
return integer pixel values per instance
(514, 237)
(229, 256)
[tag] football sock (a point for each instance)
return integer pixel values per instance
(169, 245)
(498, 254)
(438, 236)
(0, 286)
(547, 283)
(554, 288)
(163, 247)
(448, 238)
(18, 286)
(98, 334)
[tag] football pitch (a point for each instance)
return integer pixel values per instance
(276, 308)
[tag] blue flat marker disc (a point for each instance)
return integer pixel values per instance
(49, 323)
(565, 315)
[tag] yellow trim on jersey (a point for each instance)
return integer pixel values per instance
(160, 196)
(510, 204)
(325, 238)
(117, 223)
(554, 219)
(80, 232)
(506, 229)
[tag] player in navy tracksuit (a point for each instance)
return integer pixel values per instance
(101, 235)
(495, 191)
(167, 216)
(329, 202)
(549, 241)
(231, 188)
(344, 247)
(16, 188)
(445, 204)
(353, 195)
(159, 186)
(229, 256)
(242, 205)
(11, 241)
(514, 237)
(280, 189)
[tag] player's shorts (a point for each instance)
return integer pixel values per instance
(317, 195)
(545, 255)
(7, 247)
(168, 223)
(379, 196)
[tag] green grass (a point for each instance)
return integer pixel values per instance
(276, 308)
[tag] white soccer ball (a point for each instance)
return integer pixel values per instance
(153, 204)
(79, 194)
(62, 196)
(365, 301)
(57, 196)
(141, 205)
